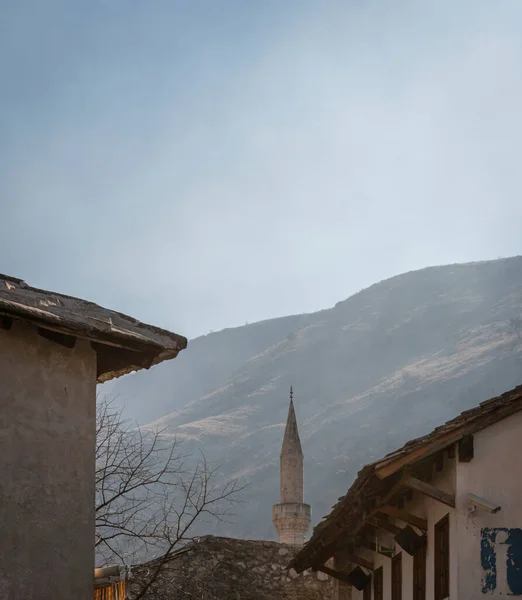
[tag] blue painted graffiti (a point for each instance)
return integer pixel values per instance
(511, 540)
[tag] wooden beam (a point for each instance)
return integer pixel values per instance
(391, 466)
(58, 338)
(403, 515)
(6, 322)
(439, 462)
(466, 449)
(113, 359)
(383, 524)
(333, 573)
(430, 490)
(387, 497)
(358, 560)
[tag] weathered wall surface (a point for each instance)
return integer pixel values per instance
(230, 569)
(490, 545)
(47, 431)
(485, 548)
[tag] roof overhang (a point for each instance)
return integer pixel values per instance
(380, 482)
(122, 344)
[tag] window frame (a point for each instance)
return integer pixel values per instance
(396, 577)
(441, 558)
(419, 574)
(378, 591)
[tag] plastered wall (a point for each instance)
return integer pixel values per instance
(485, 548)
(47, 430)
(490, 545)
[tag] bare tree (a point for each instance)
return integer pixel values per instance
(149, 495)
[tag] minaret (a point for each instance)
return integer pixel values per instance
(291, 517)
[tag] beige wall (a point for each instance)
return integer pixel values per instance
(47, 431)
(495, 474)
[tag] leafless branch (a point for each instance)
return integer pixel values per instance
(149, 495)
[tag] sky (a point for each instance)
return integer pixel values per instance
(203, 164)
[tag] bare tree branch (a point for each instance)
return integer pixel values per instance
(149, 496)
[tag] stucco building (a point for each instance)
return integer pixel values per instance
(440, 518)
(53, 351)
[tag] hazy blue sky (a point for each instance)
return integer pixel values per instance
(203, 164)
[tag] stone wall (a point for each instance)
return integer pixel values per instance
(215, 568)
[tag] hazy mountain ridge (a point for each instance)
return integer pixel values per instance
(379, 368)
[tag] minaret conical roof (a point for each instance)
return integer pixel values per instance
(291, 441)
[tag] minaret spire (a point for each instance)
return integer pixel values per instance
(291, 517)
(291, 441)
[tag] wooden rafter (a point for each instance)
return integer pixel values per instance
(5, 322)
(403, 515)
(334, 573)
(62, 339)
(430, 490)
(383, 524)
(389, 496)
(358, 560)
(466, 449)
(392, 466)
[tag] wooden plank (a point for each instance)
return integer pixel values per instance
(403, 515)
(385, 525)
(439, 462)
(387, 497)
(62, 339)
(358, 560)
(430, 490)
(6, 322)
(392, 466)
(333, 573)
(466, 449)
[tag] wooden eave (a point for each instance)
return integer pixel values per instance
(379, 483)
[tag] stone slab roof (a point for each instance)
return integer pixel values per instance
(378, 480)
(123, 344)
(220, 568)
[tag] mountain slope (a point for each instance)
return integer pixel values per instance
(385, 365)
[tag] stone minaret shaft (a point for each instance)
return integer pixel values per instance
(291, 517)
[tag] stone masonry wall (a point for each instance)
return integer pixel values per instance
(215, 568)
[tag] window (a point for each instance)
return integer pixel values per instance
(396, 589)
(442, 559)
(377, 584)
(367, 592)
(419, 574)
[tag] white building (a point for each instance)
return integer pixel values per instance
(439, 518)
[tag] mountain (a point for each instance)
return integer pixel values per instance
(384, 366)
